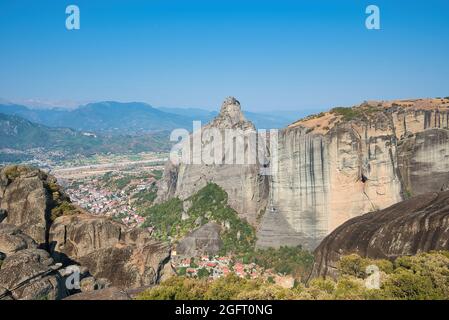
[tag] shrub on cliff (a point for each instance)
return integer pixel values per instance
(346, 113)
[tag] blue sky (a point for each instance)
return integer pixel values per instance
(271, 55)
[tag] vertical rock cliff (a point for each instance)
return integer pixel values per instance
(247, 189)
(329, 168)
(350, 161)
(43, 237)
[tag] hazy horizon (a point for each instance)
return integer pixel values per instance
(35, 104)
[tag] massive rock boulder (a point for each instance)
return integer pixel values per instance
(13, 240)
(75, 236)
(416, 225)
(128, 266)
(27, 198)
(30, 275)
(340, 164)
(128, 259)
(327, 168)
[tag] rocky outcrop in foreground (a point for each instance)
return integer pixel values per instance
(416, 225)
(44, 239)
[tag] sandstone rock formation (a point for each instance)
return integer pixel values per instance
(328, 168)
(204, 240)
(30, 275)
(128, 259)
(73, 237)
(26, 199)
(128, 266)
(111, 293)
(13, 240)
(416, 225)
(104, 253)
(246, 187)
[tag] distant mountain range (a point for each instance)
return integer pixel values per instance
(19, 134)
(109, 117)
(132, 118)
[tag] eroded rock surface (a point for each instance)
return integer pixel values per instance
(128, 259)
(13, 239)
(341, 164)
(246, 187)
(27, 198)
(416, 225)
(75, 236)
(327, 168)
(111, 293)
(30, 274)
(128, 266)
(36, 214)
(204, 240)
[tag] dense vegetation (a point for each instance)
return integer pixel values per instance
(165, 218)
(145, 198)
(286, 260)
(424, 276)
(208, 204)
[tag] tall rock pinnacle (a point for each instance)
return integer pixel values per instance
(231, 116)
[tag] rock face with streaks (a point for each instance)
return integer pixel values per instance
(204, 240)
(127, 258)
(341, 164)
(73, 237)
(416, 225)
(246, 187)
(330, 167)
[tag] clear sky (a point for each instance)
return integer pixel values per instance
(271, 55)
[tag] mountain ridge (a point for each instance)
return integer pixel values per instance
(20, 134)
(132, 117)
